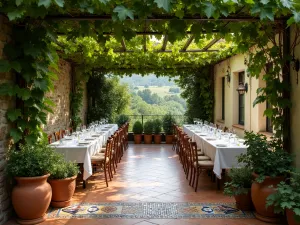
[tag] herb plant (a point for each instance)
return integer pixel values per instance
(63, 169)
(137, 127)
(168, 122)
(148, 127)
(287, 196)
(241, 181)
(265, 158)
(157, 126)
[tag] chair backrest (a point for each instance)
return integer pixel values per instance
(49, 138)
(194, 152)
(56, 135)
(62, 133)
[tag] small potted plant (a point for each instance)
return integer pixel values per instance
(148, 130)
(157, 131)
(240, 187)
(137, 131)
(30, 167)
(63, 182)
(269, 163)
(287, 199)
(168, 125)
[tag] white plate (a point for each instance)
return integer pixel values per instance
(84, 142)
(211, 139)
(241, 140)
(221, 145)
(202, 134)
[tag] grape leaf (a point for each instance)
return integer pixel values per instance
(45, 3)
(15, 134)
(19, 2)
(123, 12)
(165, 4)
(13, 114)
(209, 9)
(16, 66)
(286, 3)
(4, 66)
(60, 3)
(12, 15)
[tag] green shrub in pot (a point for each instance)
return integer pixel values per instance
(157, 126)
(137, 130)
(240, 187)
(63, 183)
(148, 127)
(168, 125)
(287, 198)
(269, 164)
(122, 119)
(30, 166)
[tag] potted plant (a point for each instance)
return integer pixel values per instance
(287, 199)
(137, 131)
(30, 167)
(63, 182)
(148, 130)
(157, 131)
(168, 123)
(269, 163)
(122, 119)
(240, 187)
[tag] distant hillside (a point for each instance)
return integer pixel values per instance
(150, 80)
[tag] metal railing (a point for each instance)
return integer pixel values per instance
(180, 119)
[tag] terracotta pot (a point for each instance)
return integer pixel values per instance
(259, 193)
(147, 138)
(137, 139)
(244, 201)
(169, 139)
(62, 191)
(31, 198)
(291, 217)
(157, 138)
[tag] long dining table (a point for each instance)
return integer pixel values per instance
(222, 153)
(80, 151)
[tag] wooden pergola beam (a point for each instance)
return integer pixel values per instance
(233, 18)
(188, 42)
(169, 51)
(165, 42)
(211, 43)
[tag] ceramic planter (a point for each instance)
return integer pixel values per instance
(157, 138)
(291, 217)
(62, 191)
(137, 139)
(244, 201)
(259, 194)
(169, 139)
(31, 198)
(147, 138)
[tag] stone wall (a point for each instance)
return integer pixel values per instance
(60, 118)
(5, 104)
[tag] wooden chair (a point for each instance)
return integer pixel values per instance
(102, 161)
(49, 138)
(56, 136)
(198, 166)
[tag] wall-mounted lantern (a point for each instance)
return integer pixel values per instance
(242, 88)
(228, 77)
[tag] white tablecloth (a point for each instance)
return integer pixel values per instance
(223, 157)
(82, 154)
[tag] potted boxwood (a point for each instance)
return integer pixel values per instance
(269, 163)
(287, 199)
(30, 167)
(137, 130)
(157, 131)
(240, 187)
(63, 182)
(168, 123)
(148, 130)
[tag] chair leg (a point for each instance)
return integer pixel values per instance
(105, 175)
(197, 176)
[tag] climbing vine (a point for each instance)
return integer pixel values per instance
(33, 53)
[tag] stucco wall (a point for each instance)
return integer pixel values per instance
(5, 104)
(83, 112)
(254, 119)
(61, 97)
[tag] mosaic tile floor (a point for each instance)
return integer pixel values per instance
(149, 173)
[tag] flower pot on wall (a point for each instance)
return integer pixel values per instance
(244, 201)
(147, 138)
(137, 138)
(62, 191)
(157, 138)
(259, 194)
(169, 139)
(31, 198)
(291, 217)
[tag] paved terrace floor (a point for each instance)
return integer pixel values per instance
(150, 173)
